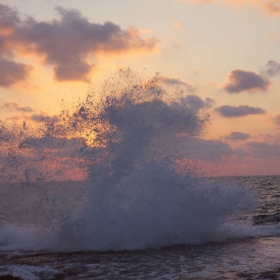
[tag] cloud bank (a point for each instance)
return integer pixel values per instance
(70, 44)
(264, 150)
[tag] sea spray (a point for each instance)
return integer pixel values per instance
(128, 140)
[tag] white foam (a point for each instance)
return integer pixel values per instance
(27, 272)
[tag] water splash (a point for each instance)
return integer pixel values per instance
(127, 140)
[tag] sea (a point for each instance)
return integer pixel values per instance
(112, 188)
(252, 253)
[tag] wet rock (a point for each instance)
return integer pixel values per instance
(9, 277)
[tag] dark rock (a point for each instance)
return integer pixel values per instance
(9, 277)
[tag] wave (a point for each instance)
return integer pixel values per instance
(129, 140)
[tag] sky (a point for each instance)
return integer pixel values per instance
(223, 53)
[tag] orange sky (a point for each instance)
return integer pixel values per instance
(223, 53)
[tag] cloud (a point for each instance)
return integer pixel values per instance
(240, 80)
(12, 72)
(29, 114)
(275, 120)
(176, 25)
(235, 136)
(238, 111)
(43, 117)
(9, 21)
(271, 7)
(71, 44)
(17, 107)
(271, 69)
(178, 82)
(196, 103)
(264, 150)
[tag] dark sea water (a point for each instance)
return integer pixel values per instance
(251, 251)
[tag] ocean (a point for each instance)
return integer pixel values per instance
(251, 253)
(113, 189)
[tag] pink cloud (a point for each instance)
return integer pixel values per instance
(12, 72)
(17, 107)
(71, 44)
(271, 7)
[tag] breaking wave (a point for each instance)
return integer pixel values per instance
(129, 140)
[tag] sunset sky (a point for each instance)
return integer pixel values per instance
(223, 51)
